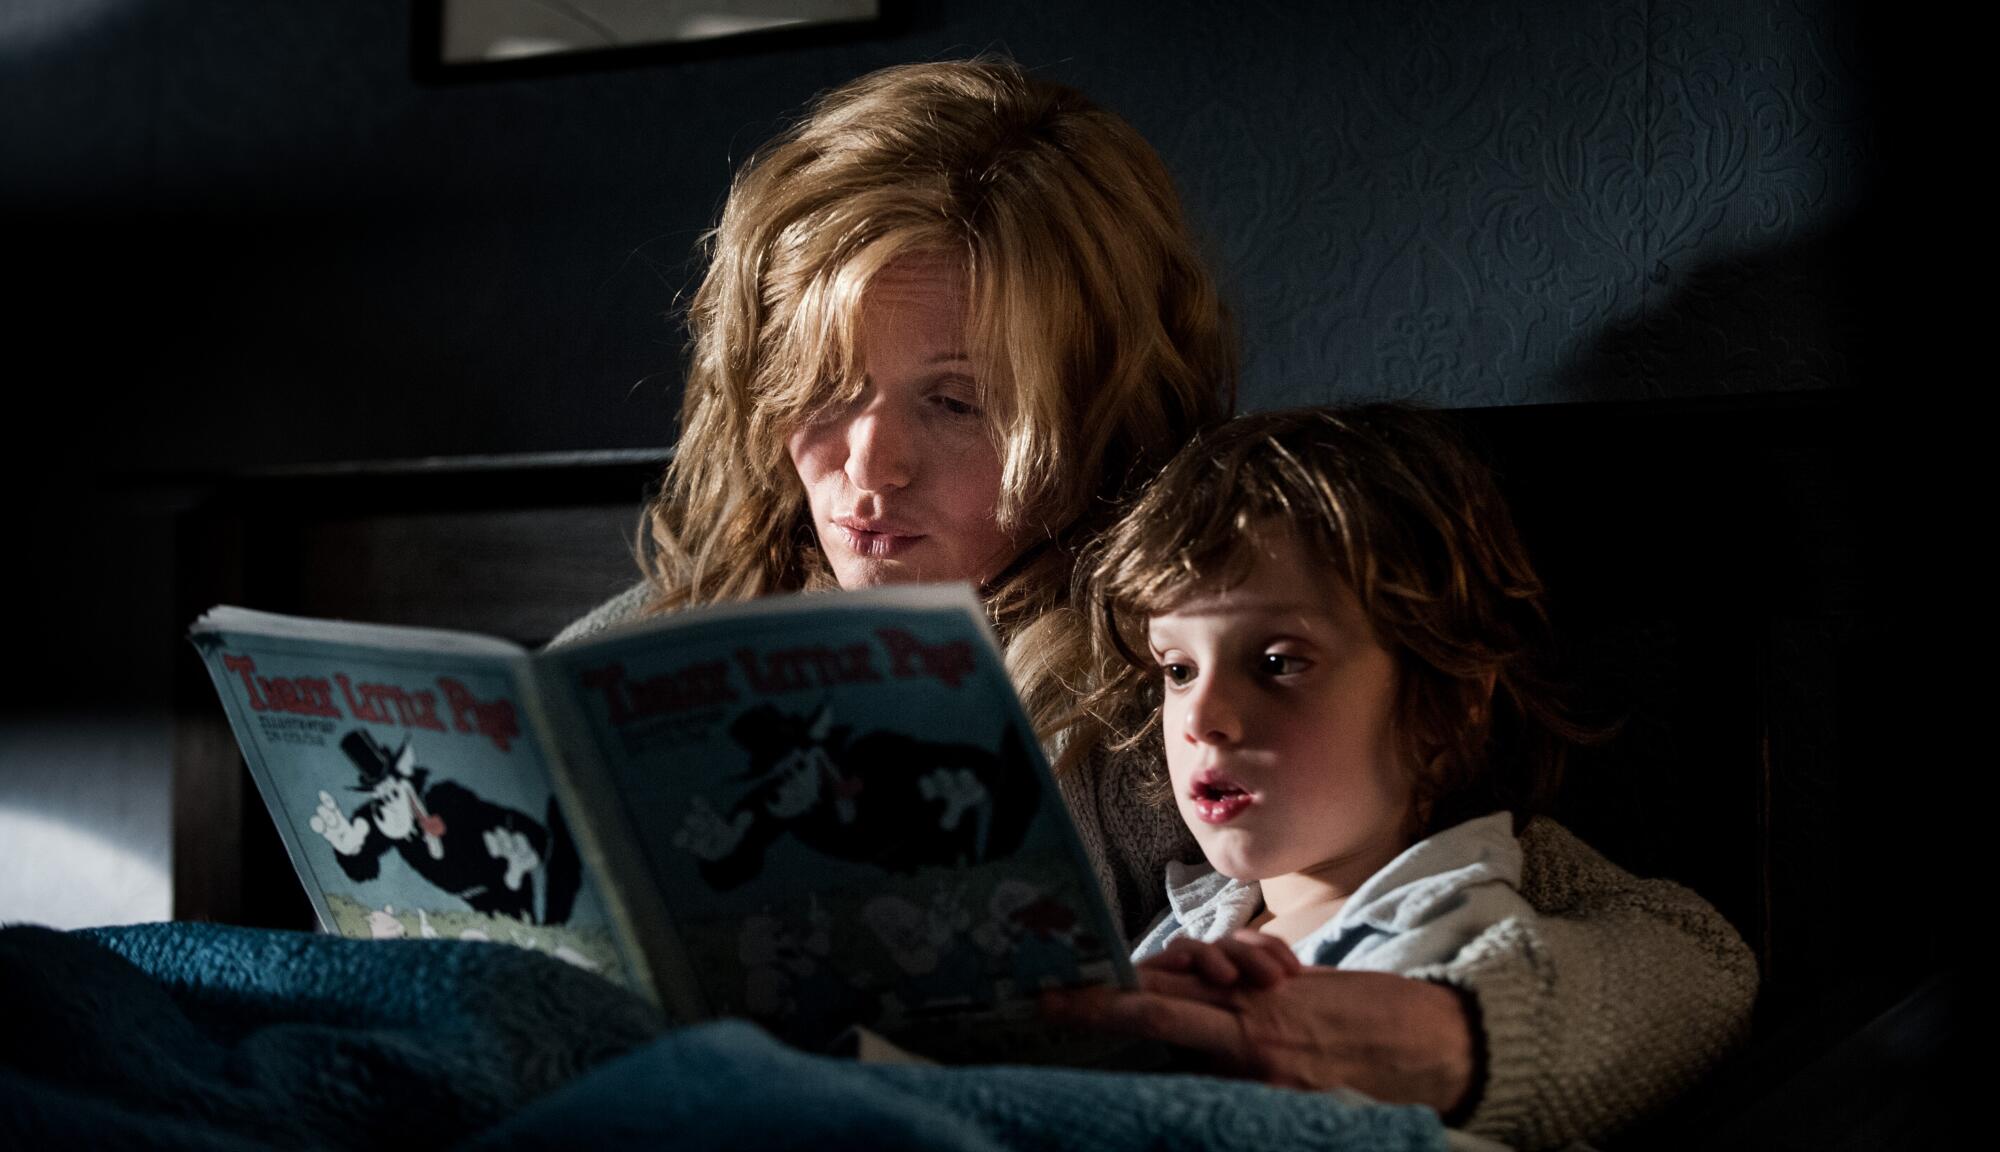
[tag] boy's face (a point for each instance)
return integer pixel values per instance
(1278, 718)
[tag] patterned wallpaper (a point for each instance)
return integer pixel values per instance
(301, 254)
(1479, 203)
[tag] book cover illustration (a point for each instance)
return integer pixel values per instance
(407, 794)
(847, 816)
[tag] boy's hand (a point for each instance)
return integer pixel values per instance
(1246, 958)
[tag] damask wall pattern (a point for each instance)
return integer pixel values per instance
(1479, 203)
(307, 255)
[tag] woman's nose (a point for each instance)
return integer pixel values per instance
(1213, 717)
(882, 449)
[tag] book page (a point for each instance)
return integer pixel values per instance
(411, 793)
(846, 817)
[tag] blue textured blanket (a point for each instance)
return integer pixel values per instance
(198, 1036)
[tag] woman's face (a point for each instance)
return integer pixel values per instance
(904, 481)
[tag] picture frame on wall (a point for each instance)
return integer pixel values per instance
(456, 41)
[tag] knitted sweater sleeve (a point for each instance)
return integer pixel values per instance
(1618, 995)
(623, 608)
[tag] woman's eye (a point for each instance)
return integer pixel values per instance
(1176, 674)
(955, 406)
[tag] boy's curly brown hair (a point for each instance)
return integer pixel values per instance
(1393, 502)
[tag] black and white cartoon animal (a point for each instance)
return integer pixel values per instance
(494, 858)
(881, 798)
(930, 948)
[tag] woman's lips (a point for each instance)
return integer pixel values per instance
(1216, 798)
(875, 539)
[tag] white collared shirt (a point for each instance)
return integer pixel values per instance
(1420, 909)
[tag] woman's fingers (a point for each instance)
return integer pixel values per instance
(1187, 986)
(1394, 1038)
(1169, 1019)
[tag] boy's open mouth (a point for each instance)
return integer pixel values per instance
(1217, 798)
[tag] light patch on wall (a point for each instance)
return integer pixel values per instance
(476, 30)
(27, 26)
(68, 877)
(86, 810)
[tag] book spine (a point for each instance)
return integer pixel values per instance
(652, 950)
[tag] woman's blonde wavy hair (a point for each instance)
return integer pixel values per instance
(1389, 499)
(1099, 341)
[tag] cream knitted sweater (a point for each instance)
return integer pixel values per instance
(1621, 994)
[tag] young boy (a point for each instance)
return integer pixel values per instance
(1331, 619)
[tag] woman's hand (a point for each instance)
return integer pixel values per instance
(1398, 1040)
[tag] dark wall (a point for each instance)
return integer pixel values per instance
(250, 237)
(241, 234)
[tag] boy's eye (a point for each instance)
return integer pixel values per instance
(1280, 664)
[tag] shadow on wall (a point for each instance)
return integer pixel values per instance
(1724, 562)
(1803, 314)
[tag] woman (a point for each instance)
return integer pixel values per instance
(951, 320)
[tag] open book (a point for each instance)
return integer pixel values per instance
(816, 811)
